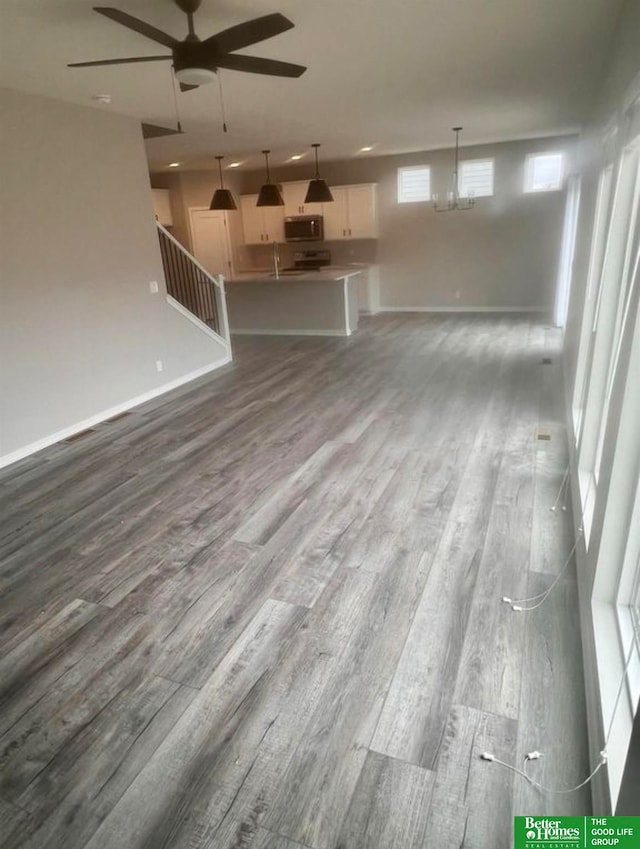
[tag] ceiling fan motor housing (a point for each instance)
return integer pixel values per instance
(192, 63)
(188, 6)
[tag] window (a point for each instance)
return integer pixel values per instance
(476, 178)
(414, 184)
(543, 172)
(611, 313)
(594, 278)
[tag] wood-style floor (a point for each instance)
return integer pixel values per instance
(264, 611)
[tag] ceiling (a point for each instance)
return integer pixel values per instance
(392, 74)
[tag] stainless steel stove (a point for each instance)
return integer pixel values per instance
(310, 260)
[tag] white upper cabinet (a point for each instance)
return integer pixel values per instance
(362, 211)
(261, 223)
(273, 217)
(336, 215)
(162, 206)
(293, 195)
(353, 213)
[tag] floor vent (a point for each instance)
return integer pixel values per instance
(543, 435)
(80, 435)
(118, 417)
(546, 361)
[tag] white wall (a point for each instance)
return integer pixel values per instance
(80, 331)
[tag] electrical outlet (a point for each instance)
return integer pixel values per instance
(457, 294)
(159, 365)
(153, 287)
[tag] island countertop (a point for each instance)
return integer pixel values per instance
(329, 274)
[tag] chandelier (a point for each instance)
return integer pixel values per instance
(454, 201)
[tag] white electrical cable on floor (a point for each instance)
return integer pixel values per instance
(540, 598)
(531, 756)
(563, 486)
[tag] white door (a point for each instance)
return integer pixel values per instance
(210, 240)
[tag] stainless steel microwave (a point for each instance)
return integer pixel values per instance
(303, 228)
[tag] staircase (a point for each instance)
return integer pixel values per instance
(190, 286)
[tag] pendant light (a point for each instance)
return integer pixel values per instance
(454, 201)
(269, 193)
(318, 191)
(222, 198)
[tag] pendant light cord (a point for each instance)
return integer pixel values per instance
(315, 147)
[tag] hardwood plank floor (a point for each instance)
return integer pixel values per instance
(263, 612)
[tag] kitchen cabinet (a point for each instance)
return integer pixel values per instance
(261, 224)
(162, 206)
(293, 195)
(353, 213)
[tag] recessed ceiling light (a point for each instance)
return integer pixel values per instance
(234, 164)
(296, 156)
(101, 98)
(366, 149)
(174, 164)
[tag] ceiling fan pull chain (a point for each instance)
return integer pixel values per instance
(175, 100)
(224, 120)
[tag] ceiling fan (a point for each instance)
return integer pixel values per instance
(195, 62)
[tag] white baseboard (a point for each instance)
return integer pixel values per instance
(463, 309)
(257, 332)
(78, 427)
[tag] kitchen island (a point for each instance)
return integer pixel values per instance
(294, 303)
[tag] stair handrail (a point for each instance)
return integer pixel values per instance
(217, 280)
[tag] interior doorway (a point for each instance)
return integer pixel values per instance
(210, 240)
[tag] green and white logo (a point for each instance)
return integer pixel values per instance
(576, 832)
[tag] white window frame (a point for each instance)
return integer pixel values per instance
(629, 279)
(594, 279)
(401, 186)
(606, 329)
(529, 166)
(617, 573)
(461, 178)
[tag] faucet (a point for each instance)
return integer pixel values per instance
(276, 259)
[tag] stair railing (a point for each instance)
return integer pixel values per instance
(193, 287)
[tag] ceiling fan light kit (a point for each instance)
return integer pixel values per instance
(269, 193)
(454, 201)
(318, 191)
(194, 77)
(222, 198)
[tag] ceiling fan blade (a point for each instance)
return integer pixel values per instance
(257, 65)
(185, 87)
(250, 32)
(137, 25)
(118, 61)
